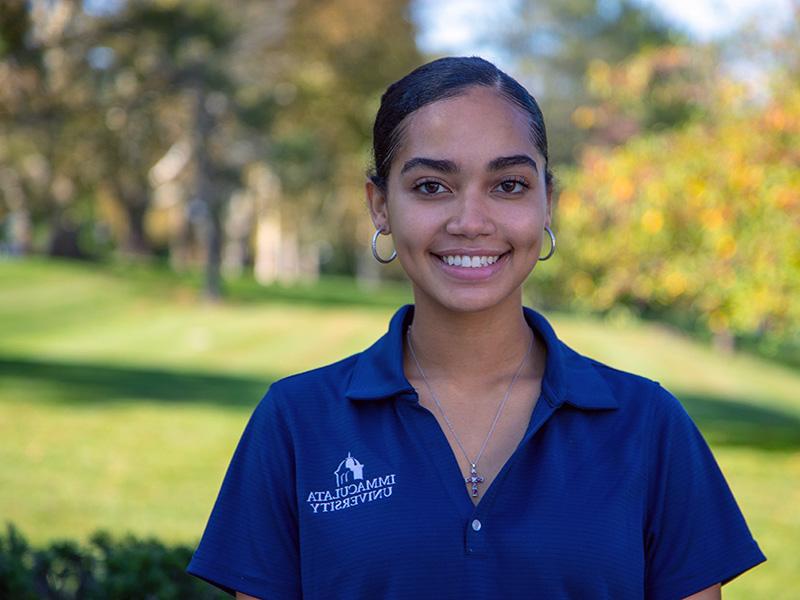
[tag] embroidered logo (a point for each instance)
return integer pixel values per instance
(352, 488)
(349, 466)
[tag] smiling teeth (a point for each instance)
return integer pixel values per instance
(470, 261)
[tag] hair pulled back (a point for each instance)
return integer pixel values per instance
(437, 80)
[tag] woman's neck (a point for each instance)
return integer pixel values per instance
(474, 348)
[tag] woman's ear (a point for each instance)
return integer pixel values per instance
(378, 209)
(548, 217)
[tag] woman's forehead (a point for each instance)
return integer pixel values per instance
(477, 124)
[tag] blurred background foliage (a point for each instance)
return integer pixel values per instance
(192, 132)
(234, 141)
(698, 222)
(180, 150)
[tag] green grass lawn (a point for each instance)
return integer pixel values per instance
(122, 398)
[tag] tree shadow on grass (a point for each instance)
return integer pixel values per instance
(84, 384)
(726, 422)
(723, 422)
(329, 292)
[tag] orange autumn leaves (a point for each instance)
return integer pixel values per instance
(704, 218)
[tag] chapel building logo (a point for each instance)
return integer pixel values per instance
(352, 488)
(349, 466)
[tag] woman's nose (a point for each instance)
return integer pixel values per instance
(472, 215)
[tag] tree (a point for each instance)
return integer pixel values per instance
(43, 103)
(701, 220)
(551, 44)
(103, 111)
(341, 55)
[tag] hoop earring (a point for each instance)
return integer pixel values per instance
(375, 249)
(552, 244)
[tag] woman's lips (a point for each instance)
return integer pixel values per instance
(472, 273)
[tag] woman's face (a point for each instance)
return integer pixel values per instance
(467, 187)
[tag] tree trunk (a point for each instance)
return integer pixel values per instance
(238, 227)
(213, 288)
(267, 193)
(19, 228)
(63, 241)
(136, 240)
(205, 194)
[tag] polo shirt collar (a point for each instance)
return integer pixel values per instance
(569, 377)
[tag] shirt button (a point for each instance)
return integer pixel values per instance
(476, 525)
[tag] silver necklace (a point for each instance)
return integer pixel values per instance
(474, 479)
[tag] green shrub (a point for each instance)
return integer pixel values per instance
(105, 568)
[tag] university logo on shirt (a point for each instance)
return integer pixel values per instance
(352, 488)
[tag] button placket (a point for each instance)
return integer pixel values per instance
(475, 537)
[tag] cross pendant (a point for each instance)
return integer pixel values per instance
(474, 479)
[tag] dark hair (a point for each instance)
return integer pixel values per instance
(437, 80)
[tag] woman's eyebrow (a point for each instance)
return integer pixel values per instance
(445, 166)
(510, 161)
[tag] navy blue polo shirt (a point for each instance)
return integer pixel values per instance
(344, 486)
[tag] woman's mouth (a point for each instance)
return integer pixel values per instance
(469, 262)
(471, 267)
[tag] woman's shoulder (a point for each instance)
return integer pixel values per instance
(298, 397)
(333, 374)
(588, 383)
(632, 392)
(316, 385)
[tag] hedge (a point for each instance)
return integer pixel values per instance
(105, 568)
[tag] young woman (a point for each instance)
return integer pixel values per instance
(469, 452)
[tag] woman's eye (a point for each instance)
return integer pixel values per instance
(512, 186)
(430, 187)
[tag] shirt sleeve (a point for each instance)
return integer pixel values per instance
(250, 543)
(695, 534)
